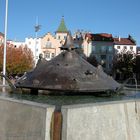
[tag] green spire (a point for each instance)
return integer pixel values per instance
(62, 27)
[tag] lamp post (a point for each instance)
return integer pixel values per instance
(5, 40)
(37, 28)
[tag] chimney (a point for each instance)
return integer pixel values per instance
(119, 38)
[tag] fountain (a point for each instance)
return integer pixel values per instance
(68, 73)
(46, 117)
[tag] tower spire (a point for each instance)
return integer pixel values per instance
(62, 27)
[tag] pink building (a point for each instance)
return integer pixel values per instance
(50, 45)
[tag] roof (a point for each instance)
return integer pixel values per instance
(109, 37)
(62, 27)
(100, 37)
(124, 41)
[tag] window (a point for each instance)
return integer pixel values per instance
(48, 44)
(118, 47)
(103, 48)
(110, 58)
(103, 56)
(93, 48)
(59, 37)
(110, 66)
(131, 47)
(125, 47)
(47, 55)
(110, 49)
(53, 55)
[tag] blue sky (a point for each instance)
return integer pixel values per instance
(118, 17)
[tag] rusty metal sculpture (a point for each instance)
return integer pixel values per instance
(68, 73)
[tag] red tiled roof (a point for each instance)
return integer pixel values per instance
(100, 37)
(105, 35)
(124, 41)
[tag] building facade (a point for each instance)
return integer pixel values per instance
(125, 45)
(16, 43)
(50, 46)
(102, 47)
(35, 46)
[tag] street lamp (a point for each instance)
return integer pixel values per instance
(37, 28)
(5, 40)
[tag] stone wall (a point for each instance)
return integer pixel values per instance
(102, 121)
(23, 120)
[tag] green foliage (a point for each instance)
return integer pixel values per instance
(124, 64)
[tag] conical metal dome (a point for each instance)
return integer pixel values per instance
(68, 72)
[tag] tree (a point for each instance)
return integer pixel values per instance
(123, 65)
(137, 67)
(92, 60)
(18, 59)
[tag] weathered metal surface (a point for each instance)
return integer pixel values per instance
(68, 72)
(57, 125)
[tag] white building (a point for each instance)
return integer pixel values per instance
(101, 47)
(16, 43)
(125, 45)
(35, 46)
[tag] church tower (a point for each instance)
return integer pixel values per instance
(62, 31)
